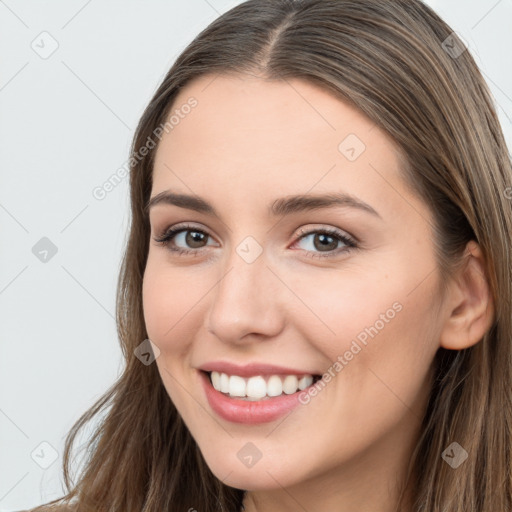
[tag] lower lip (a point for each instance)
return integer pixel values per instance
(245, 411)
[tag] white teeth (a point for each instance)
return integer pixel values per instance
(274, 386)
(305, 381)
(224, 382)
(237, 386)
(216, 380)
(290, 384)
(257, 387)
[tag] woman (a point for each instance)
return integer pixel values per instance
(320, 255)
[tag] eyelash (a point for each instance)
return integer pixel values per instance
(166, 238)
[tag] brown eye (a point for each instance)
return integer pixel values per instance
(194, 239)
(326, 241)
(183, 239)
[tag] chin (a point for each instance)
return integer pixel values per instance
(263, 475)
(251, 479)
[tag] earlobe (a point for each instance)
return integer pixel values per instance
(470, 302)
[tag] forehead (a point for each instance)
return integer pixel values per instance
(278, 137)
(293, 108)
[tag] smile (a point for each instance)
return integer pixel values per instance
(258, 387)
(256, 399)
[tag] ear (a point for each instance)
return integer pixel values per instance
(469, 302)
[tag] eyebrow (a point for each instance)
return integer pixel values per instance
(281, 206)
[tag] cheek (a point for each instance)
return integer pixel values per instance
(156, 302)
(160, 304)
(166, 313)
(373, 319)
(173, 305)
(337, 307)
(378, 355)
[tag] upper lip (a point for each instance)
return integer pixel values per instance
(251, 369)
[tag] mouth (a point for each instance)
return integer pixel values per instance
(259, 387)
(248, 400)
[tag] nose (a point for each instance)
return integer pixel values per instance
(247, 303)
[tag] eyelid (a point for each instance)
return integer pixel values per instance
(176, 229)
(351, 242)
(327, 229)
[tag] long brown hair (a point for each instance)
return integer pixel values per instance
(403, 67)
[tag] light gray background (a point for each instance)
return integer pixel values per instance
(66, 123)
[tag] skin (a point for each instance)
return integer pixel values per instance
(248, 142)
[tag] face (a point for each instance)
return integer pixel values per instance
(260, 285)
